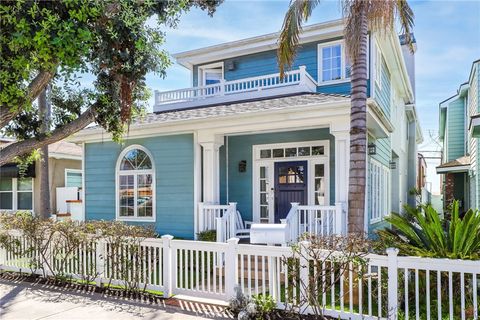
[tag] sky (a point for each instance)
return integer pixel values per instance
(447, 35)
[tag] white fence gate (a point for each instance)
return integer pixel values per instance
(387, 287)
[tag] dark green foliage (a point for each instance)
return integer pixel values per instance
(110, 44)
(207, 235)
(421, 232)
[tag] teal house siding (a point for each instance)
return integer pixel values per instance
(382, 92)
(173, 159)
(384, 150)
(456, 129)
(240, 148)
(264, 63)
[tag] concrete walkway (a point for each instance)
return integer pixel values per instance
(31, 301)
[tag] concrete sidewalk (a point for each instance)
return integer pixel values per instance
(28, 301)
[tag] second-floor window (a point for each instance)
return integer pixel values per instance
(333, 63)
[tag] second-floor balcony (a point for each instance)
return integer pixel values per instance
(295, 81)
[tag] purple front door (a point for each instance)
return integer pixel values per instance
(290, 186)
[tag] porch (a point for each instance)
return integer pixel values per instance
(301, 220)
(286, 182)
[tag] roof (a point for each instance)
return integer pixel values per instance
(457, 165)
(59, 150)
(237, 108)
(65, 150)
(260, 43)
(211, 116)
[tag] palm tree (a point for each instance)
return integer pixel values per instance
(360, 16)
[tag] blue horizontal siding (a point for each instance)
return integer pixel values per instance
(173, 159)
(455, 129)
(382, 92)
(240, 148)
(263, 63)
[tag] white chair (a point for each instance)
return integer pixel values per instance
(242, 227)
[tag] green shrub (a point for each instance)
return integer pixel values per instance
(421, 232)
(207, 235)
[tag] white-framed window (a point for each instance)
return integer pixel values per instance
(73, 178)
(379, 190)
(16, 194)
(333, 63)
(135, 185)
(210, 74)
(378, 65)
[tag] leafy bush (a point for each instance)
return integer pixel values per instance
(265, 305)
(53, 247)
(421, 232)
(207, 235)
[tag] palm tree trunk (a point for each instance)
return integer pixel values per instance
(358, 131)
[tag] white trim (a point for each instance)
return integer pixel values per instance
(343, 59)
(67, 170)
(83, 183)
(383, 188)
(197, 181)
(208, 67)
(290, 117)
(135, 173)
(270, 164)
(315, 32)
(56, 155)
(454, 169)
(14, 191)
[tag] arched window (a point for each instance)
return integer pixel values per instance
(135, 185)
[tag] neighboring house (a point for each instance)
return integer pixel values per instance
(239, 134)
(423, 187)
(459, 131)
(19, 192)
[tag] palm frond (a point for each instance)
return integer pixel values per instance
(298, 12)
(406, 17)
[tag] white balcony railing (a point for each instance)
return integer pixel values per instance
(294, 81)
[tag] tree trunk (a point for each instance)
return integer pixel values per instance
(44, 111)
(358, 133)
(25, 146)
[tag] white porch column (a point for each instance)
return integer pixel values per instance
(211, 166)
(342, 165)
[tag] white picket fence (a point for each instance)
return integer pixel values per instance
(387, 287)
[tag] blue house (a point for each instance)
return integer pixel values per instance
(241, 138)
(459, 130)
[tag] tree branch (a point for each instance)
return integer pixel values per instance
(22, 147)
(7, 113)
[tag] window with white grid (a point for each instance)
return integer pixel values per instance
(379, 190)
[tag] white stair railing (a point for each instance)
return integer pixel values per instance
(314, 220)
(226, 225)
(208, 213)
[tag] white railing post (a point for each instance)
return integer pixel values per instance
(392, 283)
(220, 229)
(201, 218)
(100, 261)
(231, 267)
(295, 221)
(222, 87)
(303, 72)
(338, 218)
(233, 219)
(303, 272)
(168, 278)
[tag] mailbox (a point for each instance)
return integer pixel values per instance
(262, 233)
